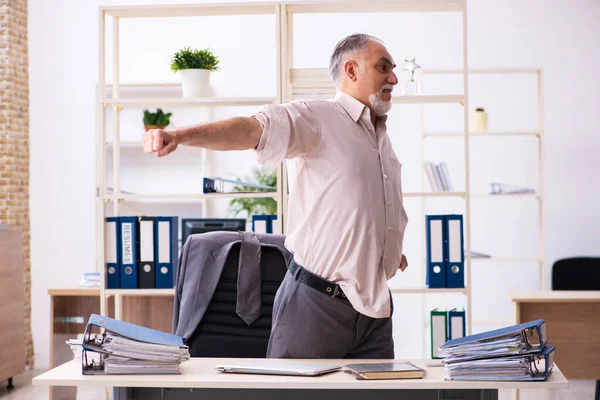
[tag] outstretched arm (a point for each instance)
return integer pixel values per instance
(238, 133)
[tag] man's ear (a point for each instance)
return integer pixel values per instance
(351, 70)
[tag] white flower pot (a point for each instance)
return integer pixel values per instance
(194, 82)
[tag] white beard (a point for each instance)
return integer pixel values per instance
(380, 106)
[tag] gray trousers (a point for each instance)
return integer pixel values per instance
(310, 324)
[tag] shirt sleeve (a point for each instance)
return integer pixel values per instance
(288, 130)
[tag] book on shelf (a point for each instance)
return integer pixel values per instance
(386, 370)
(438, 176)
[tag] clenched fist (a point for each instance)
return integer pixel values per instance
(160, 142)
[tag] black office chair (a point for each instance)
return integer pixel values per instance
(577, 273)
(221, 332)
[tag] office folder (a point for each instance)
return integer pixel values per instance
(455, 265)
(126, 329)
(436, 243)
(167, 256)
(217, 185)
(529, 337)
(439, 331)
(122, 347)
(263, 223)
(456, 324)
(128, 229)
(147, 265)
(523, 367)
(94, 363)
(112, 253)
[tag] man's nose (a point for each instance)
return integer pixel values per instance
(392, 79)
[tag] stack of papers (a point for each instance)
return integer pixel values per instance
(90, 279)
(76, 348)
(515, 353)
(124, 348)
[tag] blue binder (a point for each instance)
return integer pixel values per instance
(128, 330)
(267, 226)
(167, 257)
(455, 264)
(456, 324)
(526, 338)
(128, 229)
(528, 367)
(436, 249)
(112, 253)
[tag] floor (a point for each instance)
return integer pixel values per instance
(578, 390)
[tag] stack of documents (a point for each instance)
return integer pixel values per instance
(124, 348)
(515, 353)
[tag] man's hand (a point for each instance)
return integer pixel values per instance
(160, 142)
(403, 263)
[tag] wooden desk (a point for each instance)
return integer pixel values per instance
(199, 380)
(572, 325)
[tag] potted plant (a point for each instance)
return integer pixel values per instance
(252, 206)
(194, 68)
(157, 120)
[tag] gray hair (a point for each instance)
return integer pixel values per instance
(347, 47)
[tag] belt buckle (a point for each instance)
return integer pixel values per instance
(336, 291)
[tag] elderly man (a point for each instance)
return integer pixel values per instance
(346, 219)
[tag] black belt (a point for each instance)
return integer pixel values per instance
(316, 282)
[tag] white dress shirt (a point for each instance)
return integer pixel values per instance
(345, 219)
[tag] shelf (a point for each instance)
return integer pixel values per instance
(261, 8)
(398, 99)
(75, 291)
(505, 259)
(176, 198)
(189, 102)
(139, 292)
(127, 144)
(484, 134)
(424, 290)
(434, 194)
(489, 196)
(398, 6)
(190, 10)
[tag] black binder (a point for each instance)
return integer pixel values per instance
(147, 263)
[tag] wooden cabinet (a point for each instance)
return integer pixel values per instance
(12, 305)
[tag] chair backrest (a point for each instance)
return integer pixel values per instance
(221, 332)
(578, 273)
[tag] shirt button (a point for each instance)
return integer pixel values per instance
(389, 202)
(385, 176)
(389, 228)
(385, 257)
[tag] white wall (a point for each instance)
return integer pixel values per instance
(557, 36)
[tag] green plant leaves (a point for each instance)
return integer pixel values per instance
(187, 58)
(261, 176)
(157, 118)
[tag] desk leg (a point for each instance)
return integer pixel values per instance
(300, 394)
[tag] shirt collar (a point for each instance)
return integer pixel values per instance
(353, 107)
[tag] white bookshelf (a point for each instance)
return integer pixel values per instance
(291, 83)
(496, 136)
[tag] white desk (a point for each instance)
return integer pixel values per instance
(199, 380)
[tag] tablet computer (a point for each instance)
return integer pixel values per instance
(278, 368)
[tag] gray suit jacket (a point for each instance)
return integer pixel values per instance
(200, 265)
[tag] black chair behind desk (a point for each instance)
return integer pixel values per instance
(577, 273)
(221, 332)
